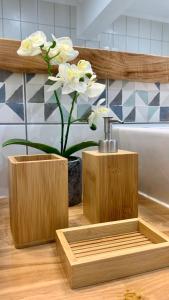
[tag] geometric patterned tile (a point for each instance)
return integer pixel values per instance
(11, 97)
(155, 100)
(117, 110)
(164, 114)
(142, 86)
(153, 114)
(141, 114)
(164, 98)
(13, 113)
(37, 93)
(128, 97)
(129, 114)
(115, 97)
(141, 98)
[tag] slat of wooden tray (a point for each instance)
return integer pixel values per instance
(105, 238)
(107, 241)
(111, 249)
(109, 244)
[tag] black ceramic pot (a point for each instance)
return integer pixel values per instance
(75, 180)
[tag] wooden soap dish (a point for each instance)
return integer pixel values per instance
(101, 252)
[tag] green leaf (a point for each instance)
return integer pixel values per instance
(78, 147)
(43, 147)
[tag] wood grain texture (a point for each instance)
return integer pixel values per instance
(38, 198)
(106, 64)
(36, 274)
(110, 185)
(106, 259)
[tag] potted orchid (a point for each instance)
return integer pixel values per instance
(74, 80)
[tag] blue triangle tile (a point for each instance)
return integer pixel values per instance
(118, 111)
(83, 111)
(2, 94)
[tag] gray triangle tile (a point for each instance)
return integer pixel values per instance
(38, 97)
(117, 100)
(18, 108)
(155, 101)
(29, 76)
(49, 109)
(131, 117)
(17, 96)
(157, 85)
(4, 75)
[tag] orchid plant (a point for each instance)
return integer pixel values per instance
(72, 79)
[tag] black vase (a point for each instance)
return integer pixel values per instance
(75, 180)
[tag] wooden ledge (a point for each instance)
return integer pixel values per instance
(106, 64)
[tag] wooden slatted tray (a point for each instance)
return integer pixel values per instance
(101, 252)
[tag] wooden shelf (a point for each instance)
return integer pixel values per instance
(106, 64)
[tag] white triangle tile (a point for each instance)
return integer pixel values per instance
(35, 112)
(31, 90)
(142, 86)
(126, 94)
(139, 100)
(7, 115)
(151, 95)
(38, 79)
(117, 84)
(155, 117)
(141, 114)
(10, 90)
(152, 87)
(164, 98)
(129, 86)
(15, 79)
(112, 94)
(127, 111)
(164, 87)
(54, 117)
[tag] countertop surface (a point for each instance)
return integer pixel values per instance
(36, 272)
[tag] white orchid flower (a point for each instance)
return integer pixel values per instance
(63, 51)
(38, 38)
(98, 112)
(85, 67)
(68, 78)
(31, 45)
(27, 49)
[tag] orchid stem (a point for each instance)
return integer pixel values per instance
(60, 110)
(69, 120)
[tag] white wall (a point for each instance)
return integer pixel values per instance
(19, 18)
